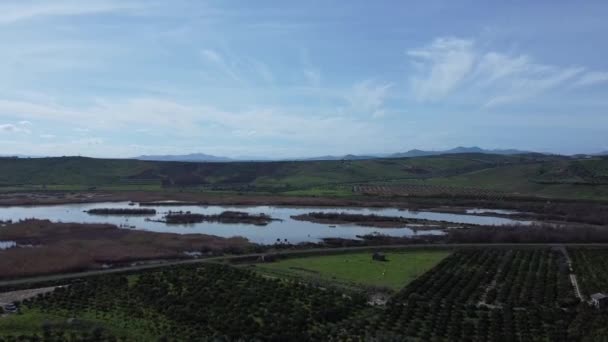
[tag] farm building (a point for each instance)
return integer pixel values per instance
(10, 308)
(599, 300)
(379, 256)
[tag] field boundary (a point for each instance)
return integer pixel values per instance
(24, 283)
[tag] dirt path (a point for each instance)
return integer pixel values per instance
(573, 279)
(17, 296)
(315, 251)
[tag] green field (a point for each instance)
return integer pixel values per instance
(359, 268)
(527, 175)
(474, 294)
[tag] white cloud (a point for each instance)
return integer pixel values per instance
(212, 56)
(244, 133)
(494, 66)
(88, 141)
(368, 95)
(8, 128)
(458, 67)
(312, 76)
(191, 122)
(220, 62)
(526, 87)
(263, 71)
(446, 62)
(15, 11)
(592, 78)
(20, 127)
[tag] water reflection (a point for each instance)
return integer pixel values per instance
(292, 230)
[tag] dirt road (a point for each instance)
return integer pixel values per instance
(231, 258)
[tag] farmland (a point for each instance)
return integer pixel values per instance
(449, 294)
(460, 175)
(485, 295)
(472, 294)
(358, 269)
(185, 303)
(591, 264)
(427, 190)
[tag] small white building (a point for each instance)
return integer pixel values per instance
(599, 300)
(10, 308)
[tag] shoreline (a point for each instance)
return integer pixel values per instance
(537, 209)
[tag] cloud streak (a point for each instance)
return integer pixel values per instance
(191, 122)
(20, 127)
(369, 96)
(219, 61)
(17, 11)
(449, 67)
(592, 78)
(446, 63)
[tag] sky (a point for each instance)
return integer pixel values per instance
(279, 79)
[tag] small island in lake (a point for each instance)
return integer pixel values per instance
(179, 217)
(122, 211)
(378, 221)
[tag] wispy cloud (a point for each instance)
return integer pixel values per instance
(311, 73)
(369, 96)
(592, 78)
(453, 66)
(21, 127)
(193, 121)
(445, 63)
(312, 76)
(212, 56)
(88, 141)
(263, 71)
(217, 60)
(15, 11)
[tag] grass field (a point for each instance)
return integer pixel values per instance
(359, 268)
(33, 322)
(530, 175)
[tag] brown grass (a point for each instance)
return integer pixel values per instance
(62, 247)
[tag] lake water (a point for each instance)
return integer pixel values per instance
(292, 230)
(492, 211)
(7, 244)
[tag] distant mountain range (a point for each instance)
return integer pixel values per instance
(201, 157)
(193, 157)
(345, 157)
(18, 156)
(457, 150)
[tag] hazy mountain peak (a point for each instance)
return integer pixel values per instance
(192, 157)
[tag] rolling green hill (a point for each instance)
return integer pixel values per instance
(529, 174)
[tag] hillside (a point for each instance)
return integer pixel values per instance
(526, 174)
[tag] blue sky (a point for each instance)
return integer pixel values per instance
(120, 78)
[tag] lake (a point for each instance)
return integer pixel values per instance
(292, 230)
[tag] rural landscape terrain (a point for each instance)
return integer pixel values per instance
(469, 247)
(294, 171)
